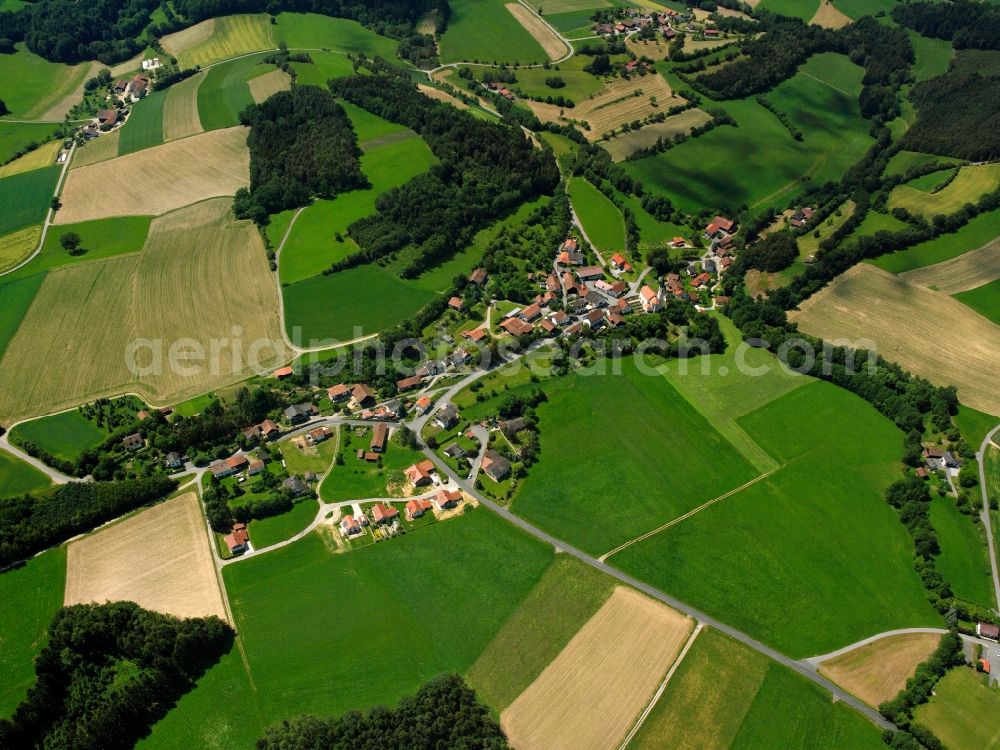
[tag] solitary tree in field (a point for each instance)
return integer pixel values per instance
(70, 242)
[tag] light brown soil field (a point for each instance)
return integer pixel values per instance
(183, 40)
(829, 16)
(102, 148)
(180, 110)
(655, 49)
(967, 271)
(696, 45)
(927, 332)
(202, 278)
(621, 146)
(535, 26)
(43, 156)
(441, 96)
(159, 558)
(263, 86)
(624, 101)
(878, 671)
(158, 179)
(592, 691)
(127, 66)
(547, 112)
(428, 23)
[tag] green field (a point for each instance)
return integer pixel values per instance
(18, 478)
(324, 66)
(32, 86)
(370, 127)
(357, 480)
(485, 30)
(929, 182)
(703, 172)
(812, 558)
(31, 596)
(974, 425)
(804, 9)
(312, 245)
(876, 222)
(25, 198)
(17, 296)
(964, 561)
(15, 136)
(224, 92)
(960, 711)
(267, 531)
(579, 83)
(933, 55)
(976, 233)
(311, 31)
(318, 459)
(902, 161)
(324, 633)
(971, 184)
(664, 459)
(64, 435)
(568, 595)
(600, 217)
(573, 23)
(858, 8)
(724, 695)
(652, 231)
(144, 127)
(984, 299)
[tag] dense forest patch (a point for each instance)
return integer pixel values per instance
(956, 116)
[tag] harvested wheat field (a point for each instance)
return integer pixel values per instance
(181, 41)
(264, 86)
(540, 30)
(927, 332)
(17, 246)
(43, 156)
(159, 558)
(590, 694)
(624, 101)
(441, 96)
(180, 110)
(877, 671)
(201, 278)
(830, 17)
(969, 185)
(158, 179)
(101, 148)
(968, 271)
(219, 39)
(547, 112)
(621, 146)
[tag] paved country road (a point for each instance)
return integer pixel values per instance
(985, 514)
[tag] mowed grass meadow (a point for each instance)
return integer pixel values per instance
(65, 435)
(17, 296)
(18, 478)
(224, 92)
(317, 32)
(981, 230)
(724, 695)
(25, 198)
(15, 136)
(485, 30)
(960, 711)
(984, 299)
(31, 596)
(36, 89)
(759, 163)
(144, 127)
(812, 557)
(220, 39)
(964, 560)
(968, 186)
(600, 217)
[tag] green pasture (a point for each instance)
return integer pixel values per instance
(324, 66)
(971, 183)
(820, 100)
(725, 695)
(566, 597)
(18, 478)
(933, 55)
(960, 711)
(984, 299)
(974, 425)
(15, 136)
(903, 161)
(876, 222)
(572, 24)
(144, 127)
(25, 197)
(984, 228)
(358, 480)
(651, 230)
(65, 435)
(315, 32)
(579, 83)
(811, 558)
(194, 406)
(317, 460)
(32, 85)
(804, 9)
(964, 561)
(267, 531)
(312, 245)
(224, 92)
(857, 8)
(600, 217)
(31, 596)
(324, 633)
(369, 126)
(17, 295)
(663, 459)
(485, 30)
(929, 182)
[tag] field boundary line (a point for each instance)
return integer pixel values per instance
(685, 516)
(660, 690)
(825, 83)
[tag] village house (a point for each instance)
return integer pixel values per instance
(801, 216)
(511, 427)
(133, 442)
(423, 405)
(107, 117)
(478, 277)
(339, 392)
(238, 541)
(455, 303)
(173, 460)
(987, 630)
(531, 313)
(447, 499)
(151, 64)
(419, 474)
(649, 300)
(595, 319)
(446, 417)
(619, 263)
(298, 413)
(256, 466)
(475, 335)
(409, 383)
(547, 325)
(349, 525)
(380, 437)
(137, 87)
(417, 507)
(295, 486)
(367, 456)
(382, 513)
(317, 436)
(495, 466)
(590, 273)
(393, 409)
(516, 327)
(596, 300)
(455, 451)
(718, 225)
(282, 373)
(618, 288)
(361, 395)
(701, 280)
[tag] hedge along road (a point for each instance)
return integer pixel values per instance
(985, 513)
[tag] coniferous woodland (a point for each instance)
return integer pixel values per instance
(444, 713)
(108, 672)
(302, 145)
(957, 115)
(963, 22)
(486, 170)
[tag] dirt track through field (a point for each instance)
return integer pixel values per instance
(967, 271)
(928, 333)
(159, 558)
(535, 26)
(591, 693)
(876, 672)
(159, 179)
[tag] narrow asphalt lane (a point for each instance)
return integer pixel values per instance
(985, 514)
